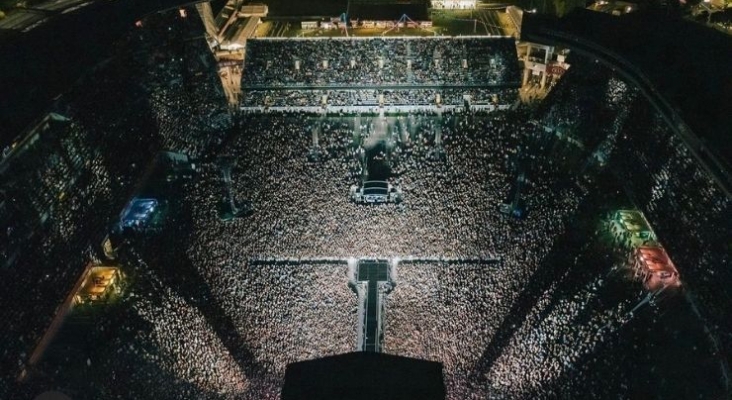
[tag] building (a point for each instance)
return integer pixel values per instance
(254, 10)
(454, 4)
(543, 63)
(234, 37)
(233, 25)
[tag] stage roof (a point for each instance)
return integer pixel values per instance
(656, 259)
(364, 375)
(633, 221)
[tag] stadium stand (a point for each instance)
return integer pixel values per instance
(372, 72)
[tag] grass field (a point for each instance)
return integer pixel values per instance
(447, 23)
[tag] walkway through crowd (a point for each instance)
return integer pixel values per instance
(374, 273)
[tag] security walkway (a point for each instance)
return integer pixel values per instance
(372, 272)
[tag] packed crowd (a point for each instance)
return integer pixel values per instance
(688, 207)
(180, 342)
(380, 61)
(294, 98)
(63, 189)
(555, 331)
(472, 301)
(177, 77)
(458, 314)
(213, 314)
(67, 186)
(285, 313)
(591, 111)
(316, 201)
(314, 218)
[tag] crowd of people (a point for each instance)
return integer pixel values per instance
(67, 185)
(380, 61)
(456, 313)
(56, 194)
(313, 217)
(180, 342)
(316, 198)
(286, 313)
(217, 309)
(282, 73)
(591, 111)
(357, 98)
(687, 206)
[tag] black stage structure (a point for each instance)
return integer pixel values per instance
(364, 375)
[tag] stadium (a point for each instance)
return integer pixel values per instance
(391, 216)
